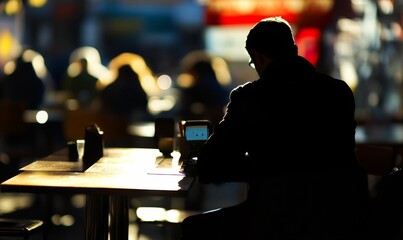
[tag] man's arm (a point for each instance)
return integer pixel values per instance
(222, 158)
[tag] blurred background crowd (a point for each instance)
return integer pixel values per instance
(358, 41)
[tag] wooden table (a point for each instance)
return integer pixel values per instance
(121, 173)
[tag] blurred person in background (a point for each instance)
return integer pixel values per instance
(128, 90)
(204, 82)
(24, 86)
(80, 81)
(26, 79)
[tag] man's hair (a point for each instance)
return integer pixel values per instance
(273, 37)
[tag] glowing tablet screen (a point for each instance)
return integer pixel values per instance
(196, 133)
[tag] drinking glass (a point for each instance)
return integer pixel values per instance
(80, 148)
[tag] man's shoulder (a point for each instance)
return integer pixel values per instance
(326, 78)
(248, 86)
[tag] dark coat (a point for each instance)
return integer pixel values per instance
(291, 136)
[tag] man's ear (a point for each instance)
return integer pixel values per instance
(261, 61)
(258, 56)
(295, 50)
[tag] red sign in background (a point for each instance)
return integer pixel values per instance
(308, 17)
(303, 13)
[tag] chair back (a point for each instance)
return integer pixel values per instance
(375, 159)
(12, 118)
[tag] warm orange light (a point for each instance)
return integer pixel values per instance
(138, 64)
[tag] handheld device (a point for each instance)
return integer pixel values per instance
(196, 133)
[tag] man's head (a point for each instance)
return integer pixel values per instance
(272, 37)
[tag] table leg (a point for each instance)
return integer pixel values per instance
(96, 217)
(119, 221)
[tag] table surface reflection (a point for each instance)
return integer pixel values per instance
(120, 173)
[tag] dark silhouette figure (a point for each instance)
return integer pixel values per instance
(23, 87)
(83, 76)
(203, 96)
(82, 86)
(22, 83)
(125, 96)
(291, 136)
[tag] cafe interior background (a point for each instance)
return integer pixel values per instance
(358, 41)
